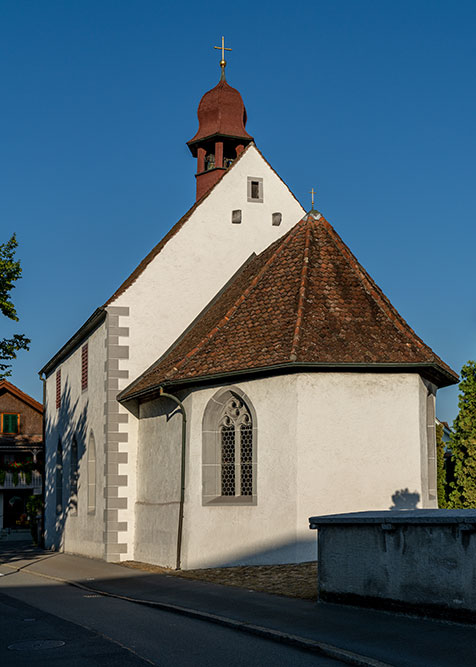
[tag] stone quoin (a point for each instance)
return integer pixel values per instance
(247, 374)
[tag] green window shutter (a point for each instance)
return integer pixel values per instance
(10, 423)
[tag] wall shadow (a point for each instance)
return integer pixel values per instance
(69, 427)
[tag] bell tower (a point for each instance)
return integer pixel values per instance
(221, 135)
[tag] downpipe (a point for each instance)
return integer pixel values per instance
(182, 474)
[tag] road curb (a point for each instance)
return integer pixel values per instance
(329, 650)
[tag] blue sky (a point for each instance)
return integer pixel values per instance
(372, 103)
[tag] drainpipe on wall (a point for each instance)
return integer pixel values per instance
(182, 475)
(41, 536)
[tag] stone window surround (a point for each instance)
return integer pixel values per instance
(211, 450)
(256, 200)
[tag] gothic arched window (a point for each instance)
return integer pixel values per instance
(73, 478)
(91, 475)
(59, 478)
(229, 449)
(236, 449)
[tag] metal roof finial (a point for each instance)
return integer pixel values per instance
(222, 61)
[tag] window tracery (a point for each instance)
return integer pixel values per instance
(229, 455)
(236, 449)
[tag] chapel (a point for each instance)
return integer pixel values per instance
(248, 374)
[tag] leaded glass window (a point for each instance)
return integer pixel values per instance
(236, 442)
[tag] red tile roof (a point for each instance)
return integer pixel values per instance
(303, 300)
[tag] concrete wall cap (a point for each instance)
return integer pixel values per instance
(409, 517)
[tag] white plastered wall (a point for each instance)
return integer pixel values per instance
(360, 443)
(81, 412)
(327, 443)
(226, 535)
(197, 262)
(189, 271)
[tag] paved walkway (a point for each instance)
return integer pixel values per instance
(355, 636)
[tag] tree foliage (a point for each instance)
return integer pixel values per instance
(463, 442)
(10, 272)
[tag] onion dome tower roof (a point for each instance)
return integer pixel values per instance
(221, 112)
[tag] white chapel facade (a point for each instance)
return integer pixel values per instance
(250, 357)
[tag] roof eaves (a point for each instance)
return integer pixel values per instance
(178, 340)
(92, 323)
(429, 368)
(170, 234)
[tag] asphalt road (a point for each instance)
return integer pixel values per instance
(98, 630)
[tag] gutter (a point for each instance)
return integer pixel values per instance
(294, 367)
(182, 475)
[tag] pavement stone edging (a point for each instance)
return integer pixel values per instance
(330, 651)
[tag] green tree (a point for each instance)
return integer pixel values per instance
(10, 272)
(463, 442)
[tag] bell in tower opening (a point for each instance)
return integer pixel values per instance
(221, 135)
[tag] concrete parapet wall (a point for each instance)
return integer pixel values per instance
(422, 561)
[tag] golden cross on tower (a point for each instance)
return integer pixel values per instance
(312, 193)
(222, 61)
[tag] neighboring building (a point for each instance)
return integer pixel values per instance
(304, 390)
(21, 453)
(446, 430)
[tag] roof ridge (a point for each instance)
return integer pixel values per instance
(23, 396)
(374, 290)
(283, 242)
(302, 293)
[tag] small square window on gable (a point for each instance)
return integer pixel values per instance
(236, 216)
(84, 367)
(277, 219)
(255, 189)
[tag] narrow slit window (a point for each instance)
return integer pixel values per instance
(84, 367)
(255, 189)
(58, 389)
